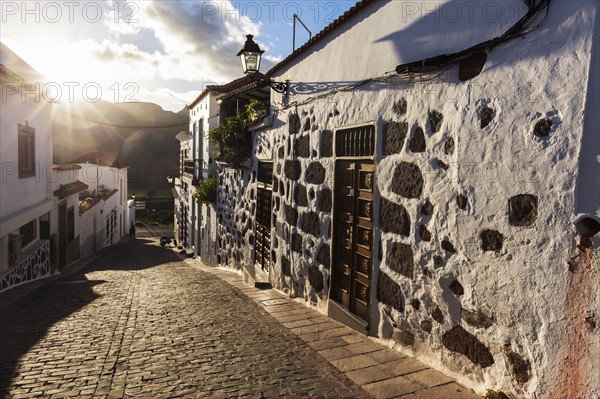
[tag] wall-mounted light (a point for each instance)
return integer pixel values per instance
(170, 179)
(251, 55)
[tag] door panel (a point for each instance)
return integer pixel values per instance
(262, 244)
(353, 235)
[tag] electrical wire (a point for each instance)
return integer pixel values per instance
(123, 126)
(429, 69)
(444, 61)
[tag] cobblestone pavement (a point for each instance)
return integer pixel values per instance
(139, 322)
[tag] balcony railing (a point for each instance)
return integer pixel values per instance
(188, 167)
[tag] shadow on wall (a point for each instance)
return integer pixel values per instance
(460, 25)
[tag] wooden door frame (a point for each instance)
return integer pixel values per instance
(335, 216)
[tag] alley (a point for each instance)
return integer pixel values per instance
(139, 322)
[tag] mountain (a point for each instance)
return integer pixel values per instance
(139, 135)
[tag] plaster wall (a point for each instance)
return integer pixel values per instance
(475, 201)
(18, 194)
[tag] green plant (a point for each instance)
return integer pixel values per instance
(255, 109)
(232, 139)
(206, 191)
(495, 395)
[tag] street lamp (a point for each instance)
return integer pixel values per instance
(250, 56)
(170, 179)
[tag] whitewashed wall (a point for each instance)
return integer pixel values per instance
(24, 199)
(489, 298)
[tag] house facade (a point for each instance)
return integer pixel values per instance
(28, 222)
(204, 116)
(443, 200)
(50, 215)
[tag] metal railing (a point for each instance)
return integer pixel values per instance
(35, 264)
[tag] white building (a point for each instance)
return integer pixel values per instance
(44, 227)
(27, 214)
(104, 208)
(195, 223)
(434, 197)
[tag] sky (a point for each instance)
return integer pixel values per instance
(162, 51)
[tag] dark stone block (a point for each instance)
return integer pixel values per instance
(292, 169)
(297, 243)
(273, 257)
(486, 117)
(522, 210)
(519, 367)
(400, 107)
(417, 141)
(307, 125)
(542, 128)
(315, 173)
(407, 180)
(404, 337)
(314, 153)
(311, 194)
(448, 247)
(389, 293)
(278, 170)
(476, 319)
(400, 259)
(315, 277)
(303, 147)
(291, 215)
(415, 303)
(294, 123)
(394, 218)
(435, 119)
(326, 145)
(427, 208)
(424, 233)
(300, 195)
(311, 223)
(324, 200)
(426, 325)
(460, 341)
(427, 272)
(275, 185)
(251, 240)
(394, 135)
(441, 164)
(286, 266)
(456, 288)
(449, 146)
(462, 201)
(491, 240)
(324, 256)
(380, 251)
(437, 315)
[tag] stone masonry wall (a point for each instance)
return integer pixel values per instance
(235, 216)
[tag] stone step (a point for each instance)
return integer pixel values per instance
(256, 276)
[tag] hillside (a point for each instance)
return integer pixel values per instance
(129, 133)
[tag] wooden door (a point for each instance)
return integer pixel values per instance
(262, 245)
(353, 235)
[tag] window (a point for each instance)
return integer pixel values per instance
(26, 151)
(29, 233)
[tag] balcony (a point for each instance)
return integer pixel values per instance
(188, 169)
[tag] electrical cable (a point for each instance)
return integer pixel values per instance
(418, 71)
(123, 126)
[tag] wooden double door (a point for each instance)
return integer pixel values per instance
(353, 235)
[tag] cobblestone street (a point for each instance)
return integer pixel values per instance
(139, 322)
